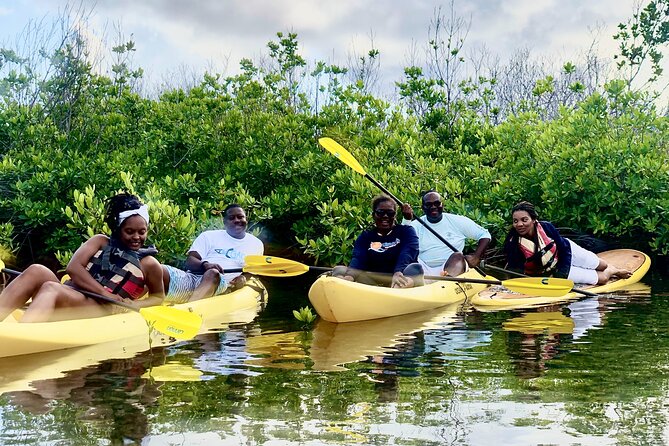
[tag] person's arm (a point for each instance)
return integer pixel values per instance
(359, 259)
(515, 261)
(563, 249)
(408, 248)
(472, 230)
(76, 268)
(153, 279)
(475, 258)
(407, 214)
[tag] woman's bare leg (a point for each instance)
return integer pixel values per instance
(55, 302)
(21, 289)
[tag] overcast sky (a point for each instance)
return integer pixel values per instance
(199, 33)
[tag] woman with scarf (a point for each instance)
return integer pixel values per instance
(117, 267)
(536, 248)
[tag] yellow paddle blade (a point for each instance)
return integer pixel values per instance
(2, 264)
(179, 324)
(273, 266)
(344, 156)
(539, 286)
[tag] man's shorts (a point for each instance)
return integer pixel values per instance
(183, 283)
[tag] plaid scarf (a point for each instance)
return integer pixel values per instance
(540, 257)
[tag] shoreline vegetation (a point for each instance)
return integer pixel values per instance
(592, 154)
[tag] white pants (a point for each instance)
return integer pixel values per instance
(584, 264)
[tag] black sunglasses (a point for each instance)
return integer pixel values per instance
(384, 213)
(429, 204)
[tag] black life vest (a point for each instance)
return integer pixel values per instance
(118, 270)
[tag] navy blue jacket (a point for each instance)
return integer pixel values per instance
(385, 253)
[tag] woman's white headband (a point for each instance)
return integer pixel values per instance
(143, 212)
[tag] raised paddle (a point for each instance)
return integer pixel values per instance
(540, 286)
(345, 157)
(179, 324)
(575, 290)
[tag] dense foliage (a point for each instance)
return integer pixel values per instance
(598, 164)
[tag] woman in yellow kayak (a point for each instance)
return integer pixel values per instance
(111, 266)
(386, 255)
(536, 248)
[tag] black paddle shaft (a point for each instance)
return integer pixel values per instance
(435, 233)
(576, 290)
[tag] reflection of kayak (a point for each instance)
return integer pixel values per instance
(332, 344)
(540, 322)
(19, 373)
(500, 299)
(21, 339)
(338, 300)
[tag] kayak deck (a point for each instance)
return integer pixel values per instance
(339, 300)
(497, 298)
(21, 339)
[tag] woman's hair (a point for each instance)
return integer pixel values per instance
(380, 199)
(527, 207)
(117, 204)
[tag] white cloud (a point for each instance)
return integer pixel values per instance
(173, 33)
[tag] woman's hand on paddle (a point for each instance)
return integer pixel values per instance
(401, 281)
(407, 211)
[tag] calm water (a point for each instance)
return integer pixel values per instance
(591, 373)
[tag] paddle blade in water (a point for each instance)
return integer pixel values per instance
(541, 286)
(344, 156)
(273, 266)
(179, 324)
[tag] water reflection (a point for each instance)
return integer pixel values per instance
(536, 337)
(593, 373)
(110, 397)
(330, 346)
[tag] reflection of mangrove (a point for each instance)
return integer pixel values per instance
(107, 397)
(108, 400)
(534, 338)
(331, 345)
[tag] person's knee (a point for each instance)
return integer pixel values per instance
(415, 271)
(456, 264)
(49, 288)
(211, 277)
(456, 258)
(39, 272)
(339, 271)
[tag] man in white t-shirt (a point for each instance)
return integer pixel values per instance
(435, 256)
(211, 254)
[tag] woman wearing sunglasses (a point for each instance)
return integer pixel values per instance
(386, 254)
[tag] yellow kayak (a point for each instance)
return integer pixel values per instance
(21, 339)
(338, 300)
(496, 298)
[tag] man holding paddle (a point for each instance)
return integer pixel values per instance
(435, 256)
(210, 256)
